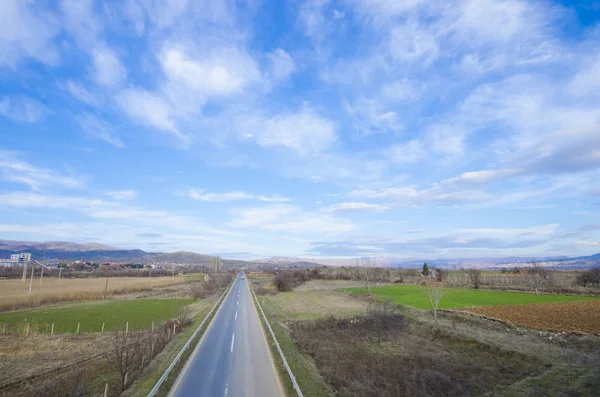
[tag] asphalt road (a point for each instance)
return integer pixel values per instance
(232, 358)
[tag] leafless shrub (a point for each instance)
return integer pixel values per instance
(74, 386)
(435, 292)
(203, 289)
(368, 274)
(264, 291)
(589, 278)
(125, 354)
(475, 277)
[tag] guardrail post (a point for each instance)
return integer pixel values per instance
(285, 363)
(165, 376)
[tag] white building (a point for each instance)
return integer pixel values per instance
(8, 262)
(21, 258)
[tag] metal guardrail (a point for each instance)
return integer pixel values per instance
(185, 347)
(285, 363)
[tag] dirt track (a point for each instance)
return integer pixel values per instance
(572, 316)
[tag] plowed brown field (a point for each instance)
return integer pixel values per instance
(581, 316)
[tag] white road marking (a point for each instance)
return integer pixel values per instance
(226, 389)
(236, 315)
(238, 303)
(232, 341)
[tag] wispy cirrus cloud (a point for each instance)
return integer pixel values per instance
(201, 195)
(16, 170)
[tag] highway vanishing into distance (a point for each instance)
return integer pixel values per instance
(232, 359)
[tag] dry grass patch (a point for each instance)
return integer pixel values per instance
(24, 357)
(14, 293)
(313, 285)
(379, 354)
(313, 304)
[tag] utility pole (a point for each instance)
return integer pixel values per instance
(105, 287)
(43, 266)
(59, 272)
(31, 279)
(25, 271)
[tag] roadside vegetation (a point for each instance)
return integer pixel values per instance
(126, 356)
(390, 344)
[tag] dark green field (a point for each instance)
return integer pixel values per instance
(139, 313)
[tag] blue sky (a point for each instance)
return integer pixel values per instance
(317, 128)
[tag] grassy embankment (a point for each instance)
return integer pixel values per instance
(414, 295)
(115, 314)
(283, 307)
(461, 355)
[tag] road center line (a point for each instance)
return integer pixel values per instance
(232, 341)
(236, 315)
(238, 303)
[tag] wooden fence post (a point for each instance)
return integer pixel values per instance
(106, 390)
(127, 327)
(78, 324)
(52, 329)
(102, 329)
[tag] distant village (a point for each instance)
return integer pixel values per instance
(25, 258)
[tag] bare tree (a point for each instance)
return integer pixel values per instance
(475, 276)
(435, 292)
(124, 354)
(366, 271)
(537, 277)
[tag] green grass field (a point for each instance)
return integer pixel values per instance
(194, 277)
(115, 314)
(414, 295)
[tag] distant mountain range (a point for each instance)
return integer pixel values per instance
(558, 262)
(68, 251)
(93, 252)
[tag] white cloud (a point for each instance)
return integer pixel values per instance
(368, 117)
(588, 243)
(99, 129)
(150, 109)
(572, 150)
(356, 206)
(312, 18)
(233, 196)
(287, 218)
(410, 196)
(80, 93)
(219, 72)
(18, 40)
(13, 169)
(542, 230)
(401, 90)
(108, 69)
(587, 80)
(282, 64)
(411, 43)
(22, 109)
(122, 194)
(446, 139)
(409, 152)
(474, 178)
(81, 20)
(303, 131)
